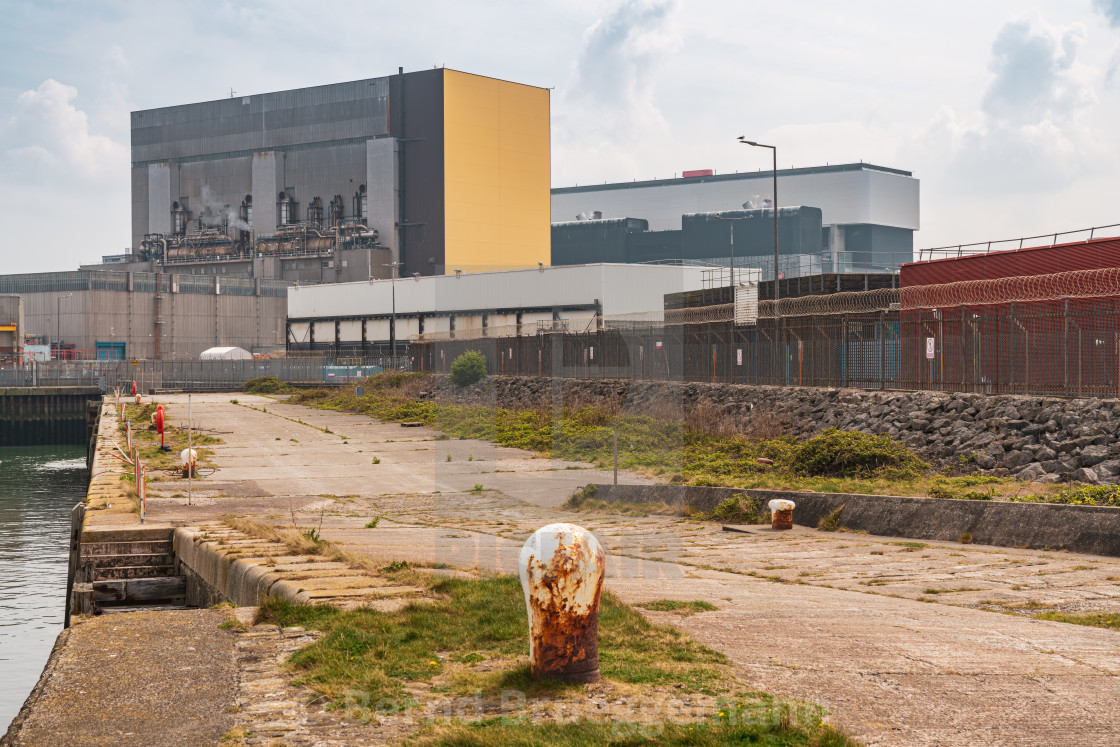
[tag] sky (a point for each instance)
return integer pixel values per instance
(1006, 111)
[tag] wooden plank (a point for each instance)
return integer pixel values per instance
(139, 589)
(77, 516)
(116, 561)
(142, 547)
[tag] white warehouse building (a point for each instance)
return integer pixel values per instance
(360, 316)
(868, 215)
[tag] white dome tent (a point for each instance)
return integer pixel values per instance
(225, 354)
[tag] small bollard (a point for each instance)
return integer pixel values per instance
(561, 568)
(188, 459)
(781, 512)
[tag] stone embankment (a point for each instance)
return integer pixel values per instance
(1030, 438)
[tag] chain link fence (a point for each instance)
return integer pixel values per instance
(1063, 347)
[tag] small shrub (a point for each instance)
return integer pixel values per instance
(738, 509)
(397, 565)
(377, 460)
(966, 538)
(233, 402)
(831, 522)
(837, 453)
(449, 457)
(267, 385)
(477, 487)
(372, 523)
(468, 368)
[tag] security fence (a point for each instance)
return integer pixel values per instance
(196, 376)
(1066, 347)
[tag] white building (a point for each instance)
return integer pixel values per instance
(865, 209)
(358, 316)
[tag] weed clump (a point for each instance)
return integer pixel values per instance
(831, 522)
(468, 368)
(1082, 495)
(267, 385)
(837, 453)
(738, 509)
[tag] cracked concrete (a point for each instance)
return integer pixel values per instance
(842, 619)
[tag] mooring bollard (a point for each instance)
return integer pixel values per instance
(561, 568)
(188, 459)
(781, 512)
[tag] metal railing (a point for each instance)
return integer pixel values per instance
(217, 375)
(1024, 242)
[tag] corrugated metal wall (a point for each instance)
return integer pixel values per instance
(1083, 255)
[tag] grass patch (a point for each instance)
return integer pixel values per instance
(738, 509)
(682, 608)
(834, 461)
(379, 652)
(959, 487)
(147, 440)
(762, 722)
(1082, 495)
(911, 545)
(584, 500)
(1109, 620)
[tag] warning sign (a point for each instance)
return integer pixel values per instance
(931, 345)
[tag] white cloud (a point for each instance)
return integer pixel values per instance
(1110, 9)
(1030, 131)
(46, 130)
(613, 86)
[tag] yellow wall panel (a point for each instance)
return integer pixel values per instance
(496, 173)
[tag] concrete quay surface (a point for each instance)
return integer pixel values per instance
(902, 642)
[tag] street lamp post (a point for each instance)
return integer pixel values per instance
(58, 321)
(393, 319)
(773, 148)
(777, 317)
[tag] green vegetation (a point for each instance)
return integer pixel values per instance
(957, 487)
(836, 453)
(686, 452)
(146, 438)
(683, 608)
(831, 522)
(1096, 619)
(738, 509)
(761, 722)
(267, 385)
(1082, 495)
(379, 652)
(372, 523)
(468, 368)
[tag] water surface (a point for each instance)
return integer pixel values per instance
(39, 485)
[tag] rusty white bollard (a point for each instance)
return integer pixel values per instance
(188, 459)
(561, 568)
(781, 513)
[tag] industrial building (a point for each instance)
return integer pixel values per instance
(437, 170)
(844, 218)
(124, 315)
(360, 316)
(11, 328)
